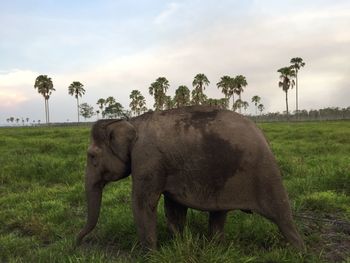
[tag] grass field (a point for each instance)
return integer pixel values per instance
(42, 205)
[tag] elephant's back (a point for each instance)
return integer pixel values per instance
(208, 157)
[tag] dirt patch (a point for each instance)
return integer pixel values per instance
(329, 235)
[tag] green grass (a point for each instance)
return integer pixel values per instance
(42, 204)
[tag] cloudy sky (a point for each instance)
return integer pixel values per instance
(115, 46)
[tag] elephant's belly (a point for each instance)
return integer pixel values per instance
(208, 197)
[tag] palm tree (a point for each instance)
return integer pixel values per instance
(227, 85)
(158, 90)
(256, 99)
(287, 81)
(297, 64)
(76, 89)
(240, 82)
(182, 96)
(97, 114)
(261, 108)
(45, 87)
(101, 103)
(27, 119)
(12, 119)
(199, 83)
(138, 102)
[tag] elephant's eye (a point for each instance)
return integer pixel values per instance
(92, 159)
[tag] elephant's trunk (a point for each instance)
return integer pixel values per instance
(94, 197)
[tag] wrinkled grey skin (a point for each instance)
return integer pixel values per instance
(197, 157)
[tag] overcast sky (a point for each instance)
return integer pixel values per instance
(115, 46)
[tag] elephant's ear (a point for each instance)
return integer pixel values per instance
(121, 136)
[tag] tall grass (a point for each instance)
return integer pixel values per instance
(42, 203)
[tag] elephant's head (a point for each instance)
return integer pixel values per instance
(108, 159)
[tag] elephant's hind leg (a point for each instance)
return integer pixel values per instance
(175, 214)
(217, 221)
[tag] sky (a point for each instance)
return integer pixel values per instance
(114, 47)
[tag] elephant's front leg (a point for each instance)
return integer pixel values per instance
(175, 214)
(216, 224)
(144, 204)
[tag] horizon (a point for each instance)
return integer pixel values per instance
(115, 47)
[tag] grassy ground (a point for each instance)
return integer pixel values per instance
(42, 204)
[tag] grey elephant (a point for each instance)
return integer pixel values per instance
(197, 157)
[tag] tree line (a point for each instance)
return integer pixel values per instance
(110, 108)
(324, 114)
(231, 88)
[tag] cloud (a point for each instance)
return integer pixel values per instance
(170, 10)
(10, 99)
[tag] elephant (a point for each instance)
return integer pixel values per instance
(197, 157)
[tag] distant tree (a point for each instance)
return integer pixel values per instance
(237, 105)
(86, 110)
(224, 103)
(227, 85)
(110, 100)
(114, 110)
(240, 83)
(169, 103)
(261, 108)
(77, 90)
(8, 120)
(138, 103)
(17, 120)
(199, 83)
(286, 82)
(39, 121)
(101, 103)
(297, 64)
(256, 99)
(127, 114)
(12, 119)
(217, 103)
(27, 119)
(45, 87)
(97, 113)
(158, 89)
(245, 105)
(212, 102)
(182, 96)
